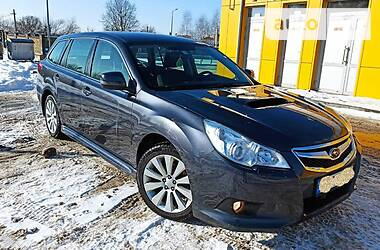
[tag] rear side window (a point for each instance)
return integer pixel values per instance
(107, 59)
(56, 53)
(78, 55)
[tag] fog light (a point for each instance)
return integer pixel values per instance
(238, 206)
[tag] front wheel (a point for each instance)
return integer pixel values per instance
(53, 122)
(164, 184)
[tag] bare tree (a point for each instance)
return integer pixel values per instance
(56, 27)
(202, 28)
(215, 23)
(70, 27)
(90, 29)
(29, 25)
(187, 24)
(6, 24)
(120, 15)
(61, 27)
(148, 28)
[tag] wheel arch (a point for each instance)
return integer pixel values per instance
(149, 141)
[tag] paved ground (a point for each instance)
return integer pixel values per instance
(78, 201)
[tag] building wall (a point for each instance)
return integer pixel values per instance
(369, 72)
(233, 24)
(230, 27)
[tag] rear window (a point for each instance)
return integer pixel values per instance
(78, 55)
(57, 51)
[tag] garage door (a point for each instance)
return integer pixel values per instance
(292, 46)
(342, 49)
(254, 43)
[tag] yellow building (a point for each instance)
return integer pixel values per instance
(340, 64)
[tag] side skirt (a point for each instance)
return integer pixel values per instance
(111, 158)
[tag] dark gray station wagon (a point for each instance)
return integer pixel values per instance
(202, 136)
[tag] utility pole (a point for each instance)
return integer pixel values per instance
(48, 22)
(172, 22)
(14, 20)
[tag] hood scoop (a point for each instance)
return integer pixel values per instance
(266, 102)
(256, 98)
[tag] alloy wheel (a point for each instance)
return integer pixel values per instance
(51, 116)
(166, 183)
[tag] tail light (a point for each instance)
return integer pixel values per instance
(39, 68)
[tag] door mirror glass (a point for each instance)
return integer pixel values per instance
(113, 80)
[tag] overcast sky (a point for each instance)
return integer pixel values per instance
(88, 13)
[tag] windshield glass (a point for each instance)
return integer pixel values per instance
(172, 67)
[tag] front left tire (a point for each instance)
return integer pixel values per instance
(52, 119)
(164, 184)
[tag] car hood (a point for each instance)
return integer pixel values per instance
(270, 117)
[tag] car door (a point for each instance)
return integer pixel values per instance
(106, 113)
(69, 82)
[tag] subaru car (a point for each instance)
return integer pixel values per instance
(203, 138)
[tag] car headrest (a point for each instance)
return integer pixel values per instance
(171, 59)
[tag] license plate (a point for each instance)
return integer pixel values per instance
(337, 180)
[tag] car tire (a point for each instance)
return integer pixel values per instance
(52, 119)
(166, 191)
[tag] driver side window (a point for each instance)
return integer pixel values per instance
(206, 63)
(107, 59)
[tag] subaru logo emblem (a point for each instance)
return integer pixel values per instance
(334, 153)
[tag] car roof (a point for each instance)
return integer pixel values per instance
(131, 37)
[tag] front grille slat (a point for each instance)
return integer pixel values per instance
(319, 158)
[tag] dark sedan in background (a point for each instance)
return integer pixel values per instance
(202, 136)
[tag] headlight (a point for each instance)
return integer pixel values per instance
(240, 149)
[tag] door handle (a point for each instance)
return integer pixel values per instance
(86, 91)
(346, 55)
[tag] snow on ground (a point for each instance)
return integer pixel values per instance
(363, 107)
(362, 103)
(76, 200)
(358, 113)
(16, 76)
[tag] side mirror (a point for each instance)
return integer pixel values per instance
(113, 80)
(250, 72)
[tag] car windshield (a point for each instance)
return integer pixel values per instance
(171, 67)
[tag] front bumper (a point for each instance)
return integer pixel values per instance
(273, 198)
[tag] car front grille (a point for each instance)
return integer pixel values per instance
(327, 157)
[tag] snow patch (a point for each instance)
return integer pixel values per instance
(97, 206)
(29, 231)
(358, 113)
(17, 76)
(352, 101)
